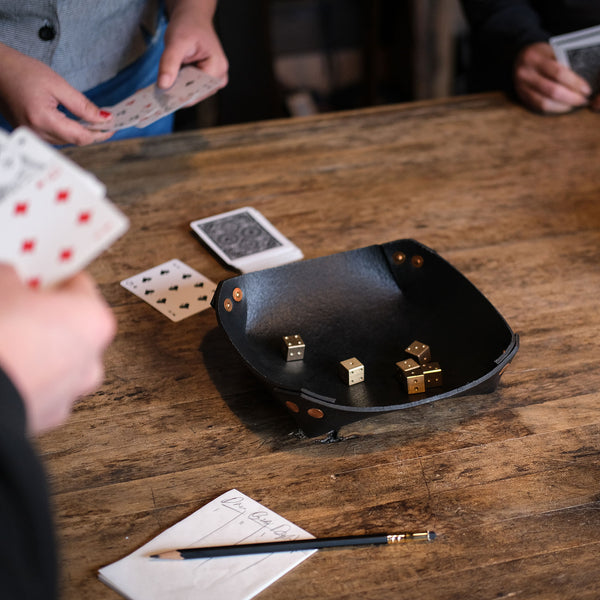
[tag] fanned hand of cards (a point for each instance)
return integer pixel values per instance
(54, 216)
(152, 103)
(245, 240)
(580, 51)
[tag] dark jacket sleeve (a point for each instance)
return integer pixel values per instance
(27, 551)
(499, 29)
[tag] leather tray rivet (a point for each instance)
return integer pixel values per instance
(292, 406)
(237, 294)
(228, 304)
(417, 261)
(399, 257)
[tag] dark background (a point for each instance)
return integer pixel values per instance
(296, 57)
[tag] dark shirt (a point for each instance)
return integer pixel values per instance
(27, 551)
(501, 28)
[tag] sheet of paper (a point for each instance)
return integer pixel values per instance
(232, 518)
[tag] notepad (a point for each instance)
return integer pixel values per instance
(232, 518)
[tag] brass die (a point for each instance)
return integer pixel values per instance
(415, 381)
(408, 365)
(433, 375)
(419, 351)
(351, 371)
(292, 347)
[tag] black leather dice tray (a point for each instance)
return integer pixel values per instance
(370, 303)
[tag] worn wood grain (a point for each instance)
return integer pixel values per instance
(510, 480)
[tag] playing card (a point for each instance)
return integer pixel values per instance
(580, 51)
(244, 239)
(31, 156)
(56, 224)
(128, 112)
(173, 288)
(151, 103)
(17, 165)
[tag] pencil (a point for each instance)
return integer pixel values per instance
(292, 545)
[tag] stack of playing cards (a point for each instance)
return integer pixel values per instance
(151, 103)
(54, 216)
(580, 51)
(244, 239)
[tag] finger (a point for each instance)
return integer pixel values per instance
(80, 106)
(64, 130)
(217, 67)
(169, 64)
(566, 77)
(542, 103)
(550, 88)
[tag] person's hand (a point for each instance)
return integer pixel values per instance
(545, 85)
(190, 38)
(51, 344)
(30, 93)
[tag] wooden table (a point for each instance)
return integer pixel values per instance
(511, 480)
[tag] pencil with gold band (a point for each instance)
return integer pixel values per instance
(295, 545)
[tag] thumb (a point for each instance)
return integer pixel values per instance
(80, 106)
(169, 65)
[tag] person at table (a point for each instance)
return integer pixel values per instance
(51, 347)
(83, 54)
(510, 50)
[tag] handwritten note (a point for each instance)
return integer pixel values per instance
(232, 518)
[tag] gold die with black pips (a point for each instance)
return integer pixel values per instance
(293, 347)
(419, 351)
(351, 371)
(433, 375)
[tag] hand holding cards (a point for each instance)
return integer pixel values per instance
(580, 51)
(54, 216)
(152, 103)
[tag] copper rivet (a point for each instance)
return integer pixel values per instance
(315, 413)
(417, 261)
(292, 406)
(399, 257)
(237, 294)
(228, 304)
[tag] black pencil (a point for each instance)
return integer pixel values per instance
(291, 545)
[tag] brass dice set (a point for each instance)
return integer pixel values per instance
(418, 372)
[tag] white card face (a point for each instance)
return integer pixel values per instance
(244, 239)
(173, 288)
(55, 225)
(34, 155)
(151, 103)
